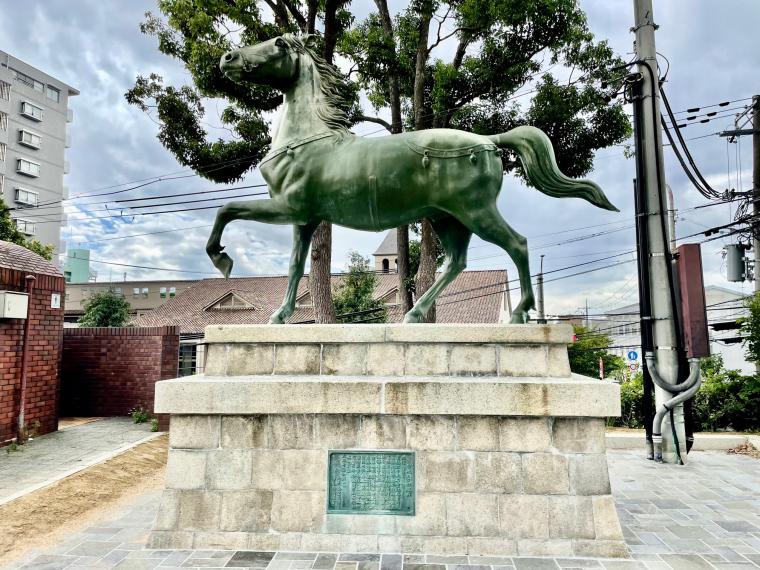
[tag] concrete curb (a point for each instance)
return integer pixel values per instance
(94, 461)
(702, 441)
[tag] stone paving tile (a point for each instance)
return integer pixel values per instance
(535, 564)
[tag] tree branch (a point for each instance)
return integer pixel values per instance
(378, 120)
(299, 18)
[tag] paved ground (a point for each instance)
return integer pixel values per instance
(701, 516)
(54, 455)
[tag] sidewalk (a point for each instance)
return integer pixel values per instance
(704, 515)
(55, 455)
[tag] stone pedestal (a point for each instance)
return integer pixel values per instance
(508, 445)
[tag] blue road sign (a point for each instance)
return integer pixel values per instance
(633, 355)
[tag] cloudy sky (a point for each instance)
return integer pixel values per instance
(96, 46)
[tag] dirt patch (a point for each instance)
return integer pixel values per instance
(41, 518)
(746, 449)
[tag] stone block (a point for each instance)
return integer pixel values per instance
(297, 334)
(344, 359)
(498, 472)
(199, 510)
(320, 543)
(385, 359)
(229, 469)
(358, 543)
(558, 361)
(376, 524)
(589, 474)
(166, 519)
(338, 431)
(472, 360)
(246, 511)
(186, 469)
(195, 432)
(431, 432)
(244, 432)
(264, 542)
(571, 517)
(477, 433)
(523, 360)
(443, 545)
(606, 522)
(170, 539)
(426, 360)
(552, 547)
(445, 471)
(216, 360)
(477, 332)
(304, 469)
(578, 435)
(484, 546)
(429, 518)
(600, 548)
(249, 359)
(220, 540)
(524, 516)
(545, 474)
(267, 469)
(382, 432)
(471, 514)
(524, 434)
(297, 359)
(292, 431)
(298, 511)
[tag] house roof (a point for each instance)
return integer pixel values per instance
(388, 245)
(473, 297)
(14, 256)
(633, 308)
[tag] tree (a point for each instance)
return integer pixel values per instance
(397, 62)
(356, 292)
(105, 309)
(750, 326)
(588, 348)
(9, 232)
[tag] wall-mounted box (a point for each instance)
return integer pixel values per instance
(13, 305)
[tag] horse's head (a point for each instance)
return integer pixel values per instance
(273, 62)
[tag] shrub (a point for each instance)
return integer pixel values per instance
(631, 403)
(139, 415)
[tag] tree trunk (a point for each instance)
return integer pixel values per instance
(402, 232)
(319, 278)
(426, 271)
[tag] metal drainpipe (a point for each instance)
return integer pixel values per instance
(21, 428)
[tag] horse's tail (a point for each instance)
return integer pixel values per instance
(537, 156)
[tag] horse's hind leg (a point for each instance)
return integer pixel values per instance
(301, 241)
(455, 238)
(489, 225)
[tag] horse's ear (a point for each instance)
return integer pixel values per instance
(311, 41)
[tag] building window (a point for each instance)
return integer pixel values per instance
(26, 227)
(172, 291)
(162, 291)
(31, 111)
(145, 292)
(28, 81)
(188, 359)
(3, 121)
(68, 280)
(2, 183)
(27, 167)
(3, 149)
(136, 292)
(5, 90)
(27, 197)
(118, 292)
(29, 139)
(53, 94)
(386, 265)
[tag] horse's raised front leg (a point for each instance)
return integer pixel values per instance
(455, 239)
(487, 223)
(271, 211)
(301, 241)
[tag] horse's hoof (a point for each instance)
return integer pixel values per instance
(412, 317)
(222, 262)
(276, 320)
(519, 318)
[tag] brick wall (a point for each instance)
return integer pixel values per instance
(109, 371)
(45, 339)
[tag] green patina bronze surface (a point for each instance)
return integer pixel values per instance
(318, 170)
(371, 482)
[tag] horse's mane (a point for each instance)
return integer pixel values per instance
(336, 95)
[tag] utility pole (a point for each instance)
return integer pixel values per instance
(662, 315)
(540, 292)
(756, 188)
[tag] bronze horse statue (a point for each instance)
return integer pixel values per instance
(318, 170)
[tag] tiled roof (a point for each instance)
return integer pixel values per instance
(388, 245)
(471, 298)
(15, 256)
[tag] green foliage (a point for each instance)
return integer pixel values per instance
(13, 446)
(726, 399)
(9, 232)
(631, 401)
(586, 351)
(750, 327)
(154, 424)
(140, 415)
(105, 309)
(356, 291)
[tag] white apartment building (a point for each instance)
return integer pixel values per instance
(34, 136)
